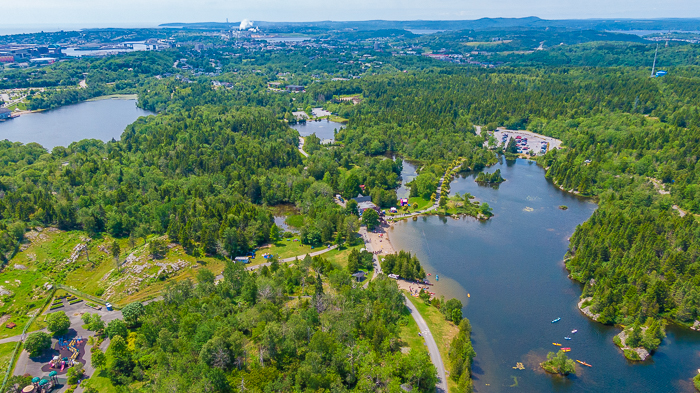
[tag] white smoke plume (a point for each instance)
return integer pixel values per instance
(245, 24)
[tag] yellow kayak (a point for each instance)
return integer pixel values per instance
(557, 344)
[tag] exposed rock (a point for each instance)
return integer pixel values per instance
(19, 267)
(4, 291)
(696, 326)
(641, 352)
(587, 310)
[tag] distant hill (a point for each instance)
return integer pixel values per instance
(685, 24)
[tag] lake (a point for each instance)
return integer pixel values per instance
(102, 119)
(512, 268)
(323, 129)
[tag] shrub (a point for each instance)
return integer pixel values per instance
(36, 343)
(58, 323)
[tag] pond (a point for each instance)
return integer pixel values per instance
(408, 173)
(102, 119)
(512, 268)
(324, 129)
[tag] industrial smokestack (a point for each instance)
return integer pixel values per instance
(245, 24)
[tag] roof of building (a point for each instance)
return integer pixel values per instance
(5, 110)
(360, 198)
(359, 274)
(366, 205)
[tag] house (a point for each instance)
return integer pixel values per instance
(364, 203)
(295, 88)
(359, 276)
(5, 113)
(360, 198)
(242, 259)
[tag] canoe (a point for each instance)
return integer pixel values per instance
(566, 349)
(556, 320)
(574, 331)
(584, 363)
(567, 338)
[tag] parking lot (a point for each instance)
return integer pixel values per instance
(540, 144)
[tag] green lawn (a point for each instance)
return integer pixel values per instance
(100, 381)
(5, 354)
(409, 334)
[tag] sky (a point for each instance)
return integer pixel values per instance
(143, 13)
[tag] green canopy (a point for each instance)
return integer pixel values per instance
(35, 379)
(43, 382)
(52, 373)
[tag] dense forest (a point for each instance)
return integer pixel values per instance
(244, 335)
(206, 170)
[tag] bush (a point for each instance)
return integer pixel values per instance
(99, 292)
(58, 323)
(116, 327)
(36, 343)
(75, 373)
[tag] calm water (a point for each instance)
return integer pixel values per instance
(408, 173)
(512, 267)
(324, 129)
(104, 120)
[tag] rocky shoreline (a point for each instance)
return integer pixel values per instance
(587, 310)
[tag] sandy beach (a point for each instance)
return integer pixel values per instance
(378, 241)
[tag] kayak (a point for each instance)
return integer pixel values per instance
(566, 349)
(556, 320)
(574, 331)
(567, 338)
(557, 344)
(584, 363)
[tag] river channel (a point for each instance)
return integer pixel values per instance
(102, 119)
(512, 268)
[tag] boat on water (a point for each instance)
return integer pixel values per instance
(557, 344)
(556, 320)
(567, 338)
(437, 278)
(566, 349)
(574, 331)
(584, 363)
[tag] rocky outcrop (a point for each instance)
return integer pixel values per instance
(587, 310)
(641, 353)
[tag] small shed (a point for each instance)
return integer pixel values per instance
(359, 276)
(11, 325)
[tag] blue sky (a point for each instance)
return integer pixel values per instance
(122, 13)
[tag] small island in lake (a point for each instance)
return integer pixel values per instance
(638, 342)
(490, 178)
(558, 363)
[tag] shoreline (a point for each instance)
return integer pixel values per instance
(114, 97)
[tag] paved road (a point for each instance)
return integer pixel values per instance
(301, 147)
(435, 357)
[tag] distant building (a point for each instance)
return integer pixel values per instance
(43, 60)
(295, 88)
(5, 113)
(359, 276)
(364, 203)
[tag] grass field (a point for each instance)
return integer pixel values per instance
(5, 354)
(442, 330)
